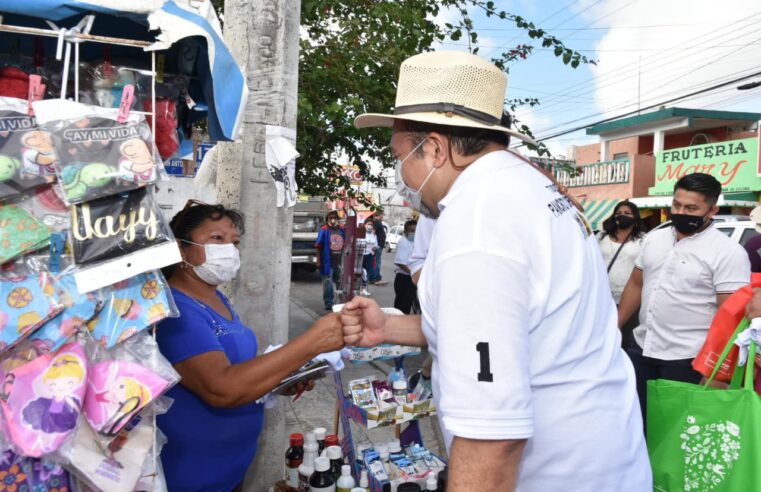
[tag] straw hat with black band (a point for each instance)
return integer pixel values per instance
(453, 88)
(448, 88)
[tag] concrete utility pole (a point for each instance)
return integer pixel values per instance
(263, 35)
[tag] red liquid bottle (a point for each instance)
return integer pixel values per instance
(293, 458)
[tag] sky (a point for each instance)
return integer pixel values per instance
(647, 51)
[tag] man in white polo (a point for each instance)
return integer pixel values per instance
(532, 389)
(681, 277)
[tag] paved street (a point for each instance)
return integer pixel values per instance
(317, 408)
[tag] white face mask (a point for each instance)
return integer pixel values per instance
(415, 197)
(221, 265)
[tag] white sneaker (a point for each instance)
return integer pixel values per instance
(364, 292)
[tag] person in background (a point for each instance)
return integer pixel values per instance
(532, 389)
(620, 243)
(753, 246)
(380, 232)
(404, 289)
(330, 244)
(214, 423)
(371, 248)
(682, 275)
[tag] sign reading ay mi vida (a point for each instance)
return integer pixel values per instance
(734, 163)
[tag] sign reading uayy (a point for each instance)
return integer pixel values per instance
(734, 163)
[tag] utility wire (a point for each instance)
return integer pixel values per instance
(661, 103)
(626, 70)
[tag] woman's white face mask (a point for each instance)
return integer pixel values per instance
(221, 265)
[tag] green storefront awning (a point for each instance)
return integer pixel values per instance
(596, 211)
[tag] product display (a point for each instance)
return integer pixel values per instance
(27, 302)
(98, 156)
(27, 157)
(82, 238)
(20, 232)
(116, 226)
(42, 400)
(131, 306)
(77, 310)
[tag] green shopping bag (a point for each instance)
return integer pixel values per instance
(706, 439)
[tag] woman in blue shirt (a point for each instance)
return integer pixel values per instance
(214, 424)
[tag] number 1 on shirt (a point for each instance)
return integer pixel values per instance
(485, 373)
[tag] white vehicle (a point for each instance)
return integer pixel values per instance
(741, 230)
(393, 236)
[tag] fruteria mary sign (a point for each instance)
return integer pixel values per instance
(734, 163)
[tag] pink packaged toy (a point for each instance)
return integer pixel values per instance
(41, 400)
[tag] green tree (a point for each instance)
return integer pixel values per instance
(351, 51)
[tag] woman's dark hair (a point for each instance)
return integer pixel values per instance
(193, 215)
(409, 224)
(609, 225)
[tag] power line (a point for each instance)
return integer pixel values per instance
(662, 103)
(507, 43)
(623, 72)
(664, 56)
(626, 105)
(650, 26)
(601, 18)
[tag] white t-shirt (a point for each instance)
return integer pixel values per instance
(622, 268)
(423, 233)
(371, 243)
(680, 282)
(403, 252)
(522, 329)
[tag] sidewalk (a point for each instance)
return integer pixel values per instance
(318, 407)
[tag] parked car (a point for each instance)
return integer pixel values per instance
(741, 230)
(308, 217)
(393, 236)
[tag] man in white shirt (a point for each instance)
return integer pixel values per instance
(532, 389)
(682, 275)
(423, 233)
(405, 291)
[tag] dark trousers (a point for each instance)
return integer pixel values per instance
(405, 292)
(374, 275)
(647, 368)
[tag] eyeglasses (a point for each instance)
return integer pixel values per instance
(188, 205)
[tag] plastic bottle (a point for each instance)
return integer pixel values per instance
(331, 440)
(400, 391)
(394, 446)
(431, 483)
(364, 482)
(322, 480)
(293, 458)
(319, 434)
(345, 482)
(305, 473)
(306, 469)
(336, 461)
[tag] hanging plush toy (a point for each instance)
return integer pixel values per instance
(14, 82)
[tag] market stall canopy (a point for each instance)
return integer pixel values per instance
(665, 202)
(218, 80)
(596, 211)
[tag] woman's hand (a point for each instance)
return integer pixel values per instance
(299, 387)
(753, 309)
(326, 334)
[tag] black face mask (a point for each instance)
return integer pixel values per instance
(624, 221)
(687, 224)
